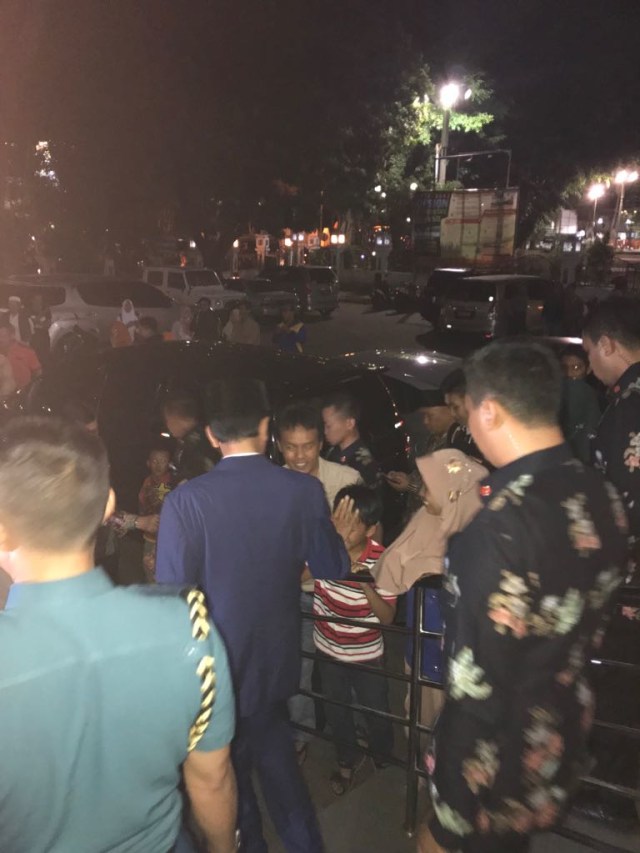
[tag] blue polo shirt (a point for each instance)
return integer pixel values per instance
(101, 690)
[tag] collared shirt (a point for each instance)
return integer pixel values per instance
(526, 588)
(99, 690)
(24, 363)
(616, 446)
(357, 455)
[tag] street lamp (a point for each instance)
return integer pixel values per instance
(413, 186)
(449, 97)
(622, 178)
(596, 191)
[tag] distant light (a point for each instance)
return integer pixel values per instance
(622, 235)
(399, 424)
(39, 271)
(408, 219)
(383, 195)
(413, 186)
(52, 226)
(422, 359)
(236, 244)
(448, 325)
(341, 238)
(373, 254)
(334, 239)
(362, 257)
(288, 242)
(165, 434)
(596, 191)
(491, 299)
(468, 94)
(600, 221)
(628, 222)
(192, 244)
(377, 188)
(33, 237)
(581, 233)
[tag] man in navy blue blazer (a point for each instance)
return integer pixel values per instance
(244, 532)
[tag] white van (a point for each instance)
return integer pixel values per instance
(488, 304)
(187, 285)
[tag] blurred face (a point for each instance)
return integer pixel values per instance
(337, 427)
(301, 448)
(455, 403)
(14, 306)
(187, 315)
(288, 316)
(203, 304)
(6, 339)
(158, 463)
(145, 332)
(127, 306)
(573, 367)
(235, 316)
(437, 419)
(178, 426)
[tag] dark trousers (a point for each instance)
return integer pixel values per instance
(339, 682)
(264, 745)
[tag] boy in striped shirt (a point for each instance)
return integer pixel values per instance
(355, 644)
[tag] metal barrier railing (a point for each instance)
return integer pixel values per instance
(412, 764)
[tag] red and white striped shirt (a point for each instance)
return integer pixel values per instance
(353, 643)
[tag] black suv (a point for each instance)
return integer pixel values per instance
(127, 387)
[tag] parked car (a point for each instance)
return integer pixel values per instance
(316, 288)
(430, 298)
(127, 388)
(85, 305)
(267, 298)
(484, 304)
(187, 286)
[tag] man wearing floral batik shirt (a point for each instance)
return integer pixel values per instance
(526, 588)
(612, 342)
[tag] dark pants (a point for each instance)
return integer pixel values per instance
(339, 682)
(264, 745)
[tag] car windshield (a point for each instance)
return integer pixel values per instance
(203, 278)
(111, 294)
(470, 290)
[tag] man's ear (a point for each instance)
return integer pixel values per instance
(351, 424)
(6, 541)
(263, 431)
(491, 414)
(606, 345)
(213, 441)
(110, 508)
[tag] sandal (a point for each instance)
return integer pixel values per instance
(343, 778)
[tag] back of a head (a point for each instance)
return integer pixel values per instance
(344, 404)
(54, 484)
(523, 377)
(366, 501)
(618, 319)
(454, 383)
(302, 414)
(150, 324)
(235, 408)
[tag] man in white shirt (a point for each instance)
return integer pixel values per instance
(19, 320)
(300, 433)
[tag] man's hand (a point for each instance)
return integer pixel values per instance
(427, 843)
(346, 519)
(398, 480)
(148, 523)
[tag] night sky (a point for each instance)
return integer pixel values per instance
(161, 97)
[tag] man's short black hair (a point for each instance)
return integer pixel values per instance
(344, 404)
(54, 484)
(184, 405)
(204, 299)
(234, 408)
(160, 444)
(367, 501)
(454, 383)
(302, 414)
(575, 351)
(618, 319)
(524, 377)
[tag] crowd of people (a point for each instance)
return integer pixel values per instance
(524, 501)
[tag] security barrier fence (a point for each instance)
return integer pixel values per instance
(413, 762)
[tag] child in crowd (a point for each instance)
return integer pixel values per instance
(154, 490)
(355, 644)
(290, 334)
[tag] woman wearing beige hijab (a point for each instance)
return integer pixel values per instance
(450, 500)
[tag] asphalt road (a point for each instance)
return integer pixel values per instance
(355, 327)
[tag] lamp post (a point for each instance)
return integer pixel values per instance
(449, 97)
(596, 191)
(622, 178)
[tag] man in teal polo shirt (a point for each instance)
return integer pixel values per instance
(106, 693)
